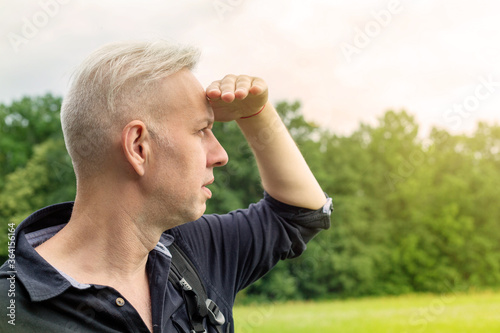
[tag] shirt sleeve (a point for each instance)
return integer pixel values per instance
(233, 250)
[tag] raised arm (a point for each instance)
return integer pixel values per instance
(285, 174)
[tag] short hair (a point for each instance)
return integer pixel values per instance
(113, 85)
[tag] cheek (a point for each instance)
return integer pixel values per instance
(186, 155)
(190, 161)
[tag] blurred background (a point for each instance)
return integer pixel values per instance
(393, 103)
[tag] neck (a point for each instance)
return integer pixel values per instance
(106, 241)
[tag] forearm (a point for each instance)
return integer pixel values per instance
(284, 172)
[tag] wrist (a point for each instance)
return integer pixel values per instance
(256, 113)
(259, 129)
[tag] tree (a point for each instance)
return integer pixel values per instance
(24, 124)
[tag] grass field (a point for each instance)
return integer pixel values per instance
(454, 313)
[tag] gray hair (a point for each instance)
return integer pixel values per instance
(115, 84)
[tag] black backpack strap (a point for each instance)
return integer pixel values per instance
(184, 276)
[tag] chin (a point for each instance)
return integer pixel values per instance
(202, 211)
(193, 215)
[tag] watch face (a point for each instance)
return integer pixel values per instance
(328, 207)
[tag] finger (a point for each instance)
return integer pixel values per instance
(227, 87)
(259, 86)
(242, 85)
(213, 90)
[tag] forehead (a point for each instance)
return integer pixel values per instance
(184, 98)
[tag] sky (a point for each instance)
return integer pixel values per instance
(346, 61)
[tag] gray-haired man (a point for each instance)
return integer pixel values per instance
(137, 125)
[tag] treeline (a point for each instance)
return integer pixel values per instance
(411, 214)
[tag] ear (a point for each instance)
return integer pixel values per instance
(136, 145)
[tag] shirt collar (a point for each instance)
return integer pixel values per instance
(42, 280)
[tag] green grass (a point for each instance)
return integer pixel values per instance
(455, 313)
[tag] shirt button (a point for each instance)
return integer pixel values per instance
(120, 301)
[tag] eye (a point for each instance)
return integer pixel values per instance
(202, 131)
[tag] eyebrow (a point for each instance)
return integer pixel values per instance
(206, 120)
(209, 118)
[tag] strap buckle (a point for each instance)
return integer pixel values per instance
(215, 316)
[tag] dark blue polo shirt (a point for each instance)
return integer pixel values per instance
(229, 251)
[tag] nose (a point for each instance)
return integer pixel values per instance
(217, 155)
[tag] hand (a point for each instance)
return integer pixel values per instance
(234, 96)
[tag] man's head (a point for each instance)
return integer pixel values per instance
(115, 84)
(138, 120)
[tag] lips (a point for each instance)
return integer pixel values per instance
(206, 189)
(209, 182)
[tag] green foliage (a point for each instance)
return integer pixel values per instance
(411, 214)
(24, 124)
(279, 286)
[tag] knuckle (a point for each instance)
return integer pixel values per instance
(229, 77)
(243, 80)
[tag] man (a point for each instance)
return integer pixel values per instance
(137, 125)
